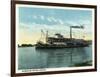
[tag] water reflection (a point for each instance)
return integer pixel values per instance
(30, 58)
(64, 57)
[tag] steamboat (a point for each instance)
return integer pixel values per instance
(61, 42)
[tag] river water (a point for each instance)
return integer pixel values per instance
(31, 58)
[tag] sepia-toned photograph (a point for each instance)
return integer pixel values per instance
(51, 37)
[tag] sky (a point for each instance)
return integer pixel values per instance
(32, 20)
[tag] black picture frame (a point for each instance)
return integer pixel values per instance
(13, 37)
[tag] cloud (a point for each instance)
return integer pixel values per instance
(60, 26)
(52, 19)
(35, 17)
(71, 23)
(23, 26)
(36, 27)
(38, 17)
(49, 19)
(42, 17)
(61, 22)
